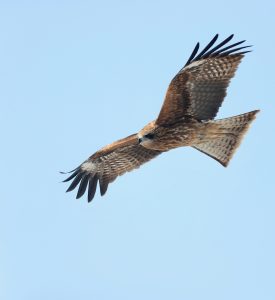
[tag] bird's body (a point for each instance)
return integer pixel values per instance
(184, 132)
(186, 119)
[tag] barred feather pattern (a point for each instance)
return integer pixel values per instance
(199, 89)
(207, 85)
(107, 164)
(230, 132)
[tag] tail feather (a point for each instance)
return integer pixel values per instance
(223, 146)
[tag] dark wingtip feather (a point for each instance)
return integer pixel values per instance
(243, 52)
(92, 187)
(103, 187)
(75, 182)
(210, 51)
(193, 54)
(71, 176)
(208, 46)
(235, 50)
(82, 186)
(69, 171)
(225, 48)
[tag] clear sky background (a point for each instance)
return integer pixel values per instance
(76, 75)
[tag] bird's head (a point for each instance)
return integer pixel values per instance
(147, 135)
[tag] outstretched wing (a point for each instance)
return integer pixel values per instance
(199, 88)
(106, 164)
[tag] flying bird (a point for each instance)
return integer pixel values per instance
(186, 118)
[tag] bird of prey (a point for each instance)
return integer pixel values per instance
(186, 118)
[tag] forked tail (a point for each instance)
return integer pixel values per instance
(223, 147)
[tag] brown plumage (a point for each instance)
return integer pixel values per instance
(186, 118)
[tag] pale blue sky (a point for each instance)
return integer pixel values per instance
(76, 75)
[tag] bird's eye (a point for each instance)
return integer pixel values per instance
(149, 136)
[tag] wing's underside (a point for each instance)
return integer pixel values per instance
(199, 89)
(105, 165)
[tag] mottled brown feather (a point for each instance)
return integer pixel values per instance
(110, 162)
(199, 89)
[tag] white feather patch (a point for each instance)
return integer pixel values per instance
(88, 167)
(194, 64)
